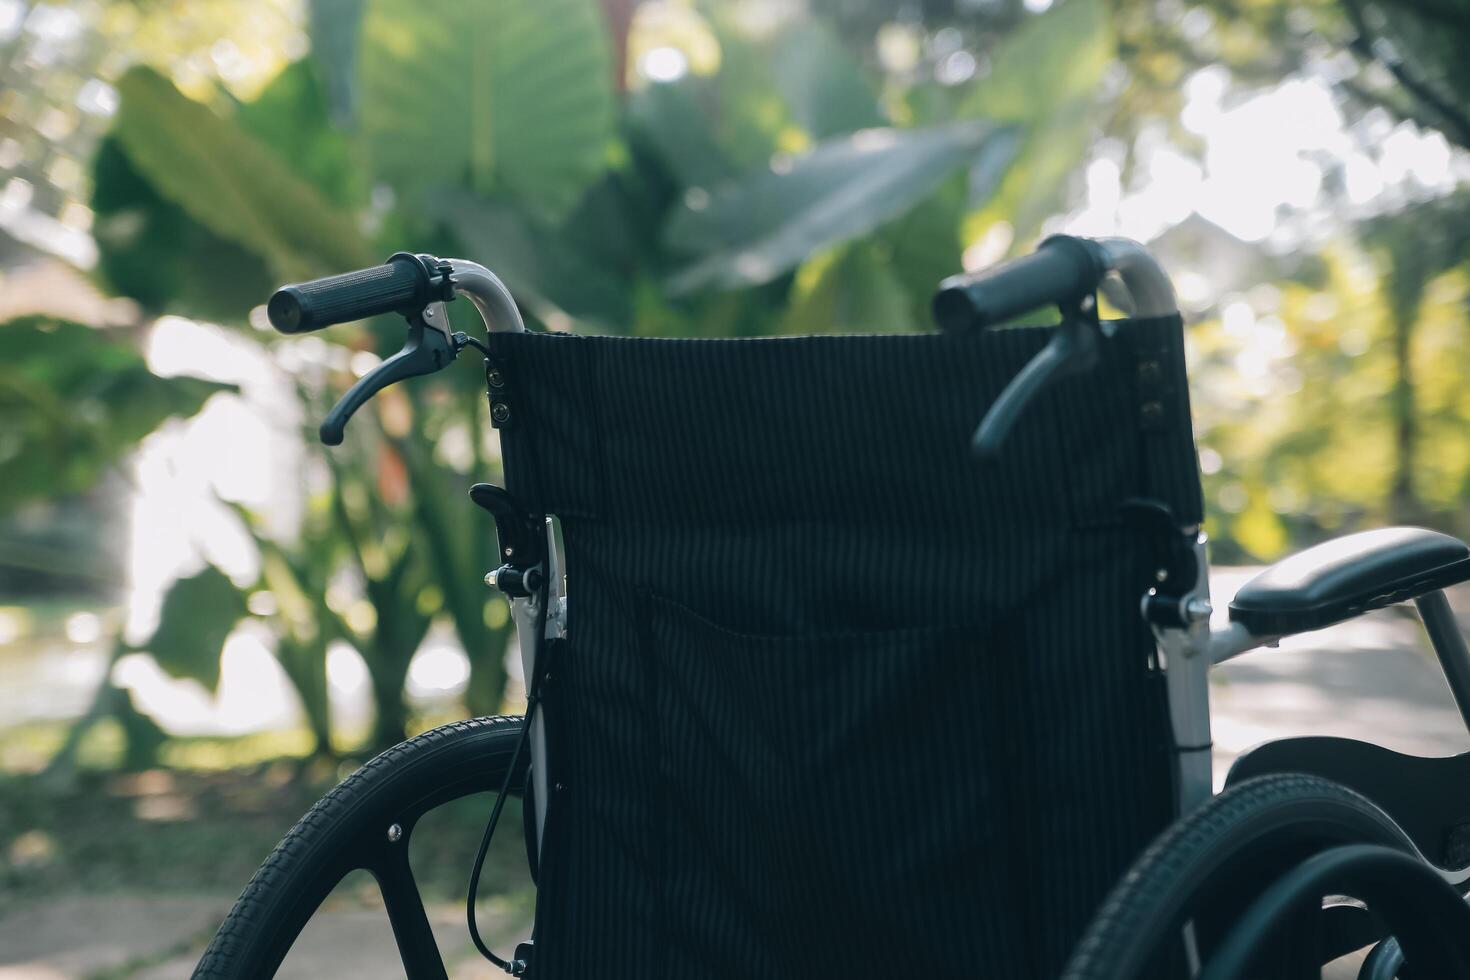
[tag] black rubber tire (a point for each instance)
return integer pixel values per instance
(1218, 857)
(348, 829)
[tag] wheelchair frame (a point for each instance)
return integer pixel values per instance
(1310, 590)
(1189, 644)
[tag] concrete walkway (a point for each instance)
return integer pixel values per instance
(150, 937)
(1373, 678)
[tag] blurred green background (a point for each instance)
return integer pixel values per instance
(193, 589)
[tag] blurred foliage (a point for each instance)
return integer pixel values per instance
(74, 401)
(720, 168)
(198, 613)
(502, 131)
(1356, 416)
(1405, 56)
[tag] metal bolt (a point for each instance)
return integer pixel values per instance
(1087, 304)
(492, 577)
(494, 378)
(509, 552)
(1152, 411)
(500, 411)
(1161, 574)
(395, 833)
(1197, 610)
(1149, 370)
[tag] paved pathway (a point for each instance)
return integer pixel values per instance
(148, 937)
(1373, 678)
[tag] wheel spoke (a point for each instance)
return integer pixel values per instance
(416, 945)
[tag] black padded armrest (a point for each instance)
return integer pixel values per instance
(1347, 576)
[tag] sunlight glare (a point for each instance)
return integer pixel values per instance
(440, 667)
(83, 628)
(254, 694)
(346, 673)
(664, 64)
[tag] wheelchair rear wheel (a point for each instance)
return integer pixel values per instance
(1209, 866)
(364, 823)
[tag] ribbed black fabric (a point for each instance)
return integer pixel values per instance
(837, 699)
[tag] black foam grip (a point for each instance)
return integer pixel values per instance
(399, 283)
(1062, 269)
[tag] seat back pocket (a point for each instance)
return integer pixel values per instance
(822, 787)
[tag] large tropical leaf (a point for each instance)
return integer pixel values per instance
(540, 269)
(668, 120)
(1045, 76)
(1051, 59)
(460, 559)
(823, 83)
(746, 111)
(334, 26)
(855, 290)
(73, 401)
(198, 613)
(304, 623)
(230, 183)
(924, 245)
(150, 250)
(290, 116)
(516, 97)
(757, 228)
(1036, 187)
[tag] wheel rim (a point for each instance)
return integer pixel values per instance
(374, 835)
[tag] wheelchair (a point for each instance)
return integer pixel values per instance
(824, 681)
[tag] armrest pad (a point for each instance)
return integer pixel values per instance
(1347, 576)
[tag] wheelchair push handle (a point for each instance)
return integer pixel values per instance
(403, 284)
(1061, 271)
(1068, 272)
(416, 286)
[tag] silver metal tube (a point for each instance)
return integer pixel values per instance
(1149, 288)
(1234, 640)
(484, 289)
(497, 308)
(1449, 646)
(1187, 681)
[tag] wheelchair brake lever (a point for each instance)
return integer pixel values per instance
(1072, 349)
(429, 347)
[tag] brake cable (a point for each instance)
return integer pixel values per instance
(516, 966)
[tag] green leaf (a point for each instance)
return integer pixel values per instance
(1047, 75)
(198, 614)
(459, 559)
(290, 116)
(541, 268)
(669, 120)
(744, 107)
(513, 96)
(753, 230)
(230, 183)
(924, 245)
(334, 26)
(73, 401)
(1036, 187)
(150, 250)
(854, 291)
(1050, 60)
(142, 738)
(823, 83)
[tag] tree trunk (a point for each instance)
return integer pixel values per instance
(390, 711)
(1403, 500)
